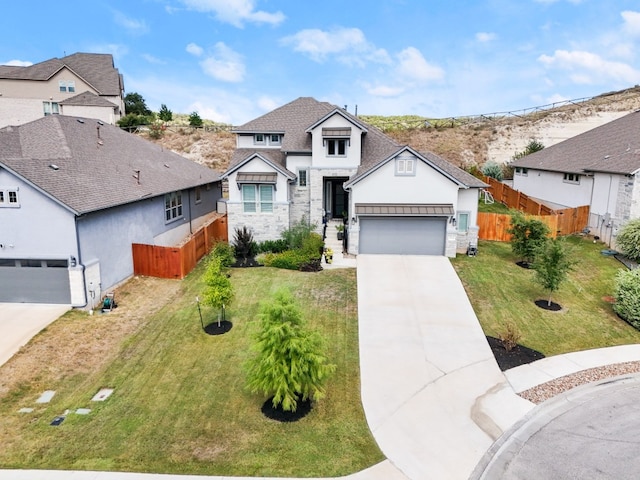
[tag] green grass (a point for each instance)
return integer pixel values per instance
(180, 405)
(495, 207)
(500, 291)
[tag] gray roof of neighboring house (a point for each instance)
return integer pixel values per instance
(88, 99)
(96, 167)
(611, 148)
(97, 69)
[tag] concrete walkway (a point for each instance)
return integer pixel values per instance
(432, 392)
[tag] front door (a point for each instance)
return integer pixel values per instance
(336, 198)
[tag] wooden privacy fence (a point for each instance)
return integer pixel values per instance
(177, 262)
(515, 199)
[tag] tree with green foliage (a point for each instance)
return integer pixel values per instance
(218, 292)
(528, 236)
(134, 103)
(552, 265)
(493, 170)
(195, 120)
(165, 114)
(134, 120)
(627, 295)
(628, 239)
(532, 147)
(289, 362)
(245, 247)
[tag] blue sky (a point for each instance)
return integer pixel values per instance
(233, 60)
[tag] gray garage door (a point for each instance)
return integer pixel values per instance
(403, 235)
(34, 281)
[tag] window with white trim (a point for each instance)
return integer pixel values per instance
(67, 86)
(257, 198)
(275, 139)
(258, 139)
(571, 178)
(9, 197)
(462, 221)
(336, 147)
(303, 177)
(405, 166)
(50, 108)
(522, 171)
(172, 206)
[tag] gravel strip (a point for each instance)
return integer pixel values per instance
(545, 391)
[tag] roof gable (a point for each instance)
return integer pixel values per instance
(613, 148)
(270, 157)
(89, 166)
(338, 111)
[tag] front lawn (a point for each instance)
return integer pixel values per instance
(500, 291)
(179, 404)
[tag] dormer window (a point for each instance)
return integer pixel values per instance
(336, 147)
(258, 139)
(275, 139)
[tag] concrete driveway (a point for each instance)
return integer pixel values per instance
(20, 322)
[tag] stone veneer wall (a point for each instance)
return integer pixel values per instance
(465, 238)
(316, 190)
(299, 203)
(625, 205)
(265, 226)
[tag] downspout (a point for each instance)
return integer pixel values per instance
(80, 264)
(190, 216)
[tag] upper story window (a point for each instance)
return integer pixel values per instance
(275, 139)
(303, 177)
(257, 198)
(67, 86)
(172, 206)
(9, 197)
(405, 166)
(522, 171)
(50, 108)
(336, 147)
(258, 139)
(571, 178)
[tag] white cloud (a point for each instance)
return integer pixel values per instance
(224, 64)
(548, 2)
(348, 45)
(587, 67)
(153, 60)
(135, 27)
(17, 63)
(267, 104)
(631, 22)
(235, 12)
(385, 91)
(195, 49)
(484, 37)
(413, 66)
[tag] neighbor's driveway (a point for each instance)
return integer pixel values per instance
(19, 322)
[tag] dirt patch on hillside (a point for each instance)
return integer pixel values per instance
(79, 343)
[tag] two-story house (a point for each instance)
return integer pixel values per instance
(82, 84)
(314, 160)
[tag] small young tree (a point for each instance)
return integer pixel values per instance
(532, 147)
(628, 239)
(552, 265)
(195, 120)
(165, 114)
(289, 362)
(528, 236)
(627, 295)
(219, 290)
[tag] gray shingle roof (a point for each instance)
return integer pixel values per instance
(88, 99)
(96, 167)
(97, 69)
(295, 118)
(613, 148)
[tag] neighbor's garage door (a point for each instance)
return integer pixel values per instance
(403, 235)
(34, 281)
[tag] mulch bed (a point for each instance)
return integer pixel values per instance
(523, 264)
(218, 329)
(519, 355)
(544, 304)
(304, 407)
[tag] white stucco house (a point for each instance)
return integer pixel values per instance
(598, 168)
(314, 160)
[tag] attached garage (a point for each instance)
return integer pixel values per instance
(403, 229)
(34, 281)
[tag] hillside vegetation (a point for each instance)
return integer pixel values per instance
(464, 141)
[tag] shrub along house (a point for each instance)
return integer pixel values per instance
(76, 193)
(313, 160)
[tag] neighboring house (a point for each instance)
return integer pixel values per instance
(76, 193)
(598, 168)
(82, 84)
(313, 160)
